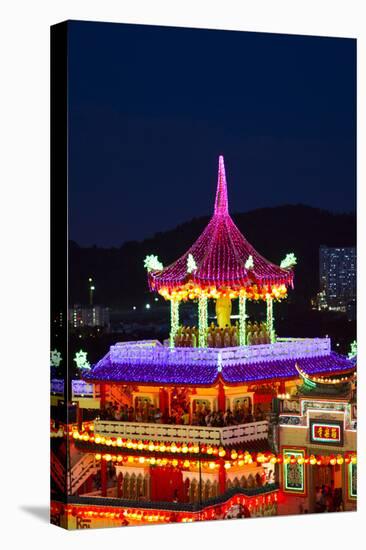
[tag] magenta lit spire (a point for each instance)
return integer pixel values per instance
(221, 201)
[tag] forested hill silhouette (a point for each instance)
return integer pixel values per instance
(120, 277)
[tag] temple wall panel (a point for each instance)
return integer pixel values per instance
(246, 471)
(137, 470)
(291, 436)
(205, 476)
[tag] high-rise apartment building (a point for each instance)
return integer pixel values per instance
(337, 272)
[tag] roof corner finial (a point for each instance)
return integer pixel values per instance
(221, 201)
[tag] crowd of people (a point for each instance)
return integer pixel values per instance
(201, 416)
(256, 333)
(328, 499)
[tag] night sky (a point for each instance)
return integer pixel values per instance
(151, 109)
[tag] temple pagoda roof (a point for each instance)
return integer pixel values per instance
(221, 258)
(325, 385)
(155, 365)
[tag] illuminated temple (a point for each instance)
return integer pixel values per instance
(220, 420)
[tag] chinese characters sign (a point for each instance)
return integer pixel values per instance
(326, 433)
(294, 473)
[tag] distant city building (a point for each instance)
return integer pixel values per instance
(337, 273)
(58, 319)
(89, 316)
(351, 310)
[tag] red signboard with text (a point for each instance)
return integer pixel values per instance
(326, 433)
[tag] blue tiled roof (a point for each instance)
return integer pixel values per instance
(285, 368)
(203, 374)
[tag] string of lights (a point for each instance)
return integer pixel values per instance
(232, 457)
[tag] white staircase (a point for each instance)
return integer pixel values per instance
(81, 471)
(84, 467)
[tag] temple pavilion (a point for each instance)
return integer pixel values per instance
(221, 266)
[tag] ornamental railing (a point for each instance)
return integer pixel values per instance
(229, 435)
(139, 354)
(174, 506)
(80, 388)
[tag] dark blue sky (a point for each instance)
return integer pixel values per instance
(151, 109)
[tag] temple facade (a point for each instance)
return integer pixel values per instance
(221, 420)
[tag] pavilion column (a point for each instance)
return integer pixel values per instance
(174, 320)
(222, 477)
(270, 318)
(103, 477)
(102, 395)
(79, 417)
(169, 401)
(163, 401)
(202, 321)
(221, 397)
(119, 485)
(242, 321)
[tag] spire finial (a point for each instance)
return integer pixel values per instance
(221, 202)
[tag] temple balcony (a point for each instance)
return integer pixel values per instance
(140, 353)
(225, 436)
(259, 500)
